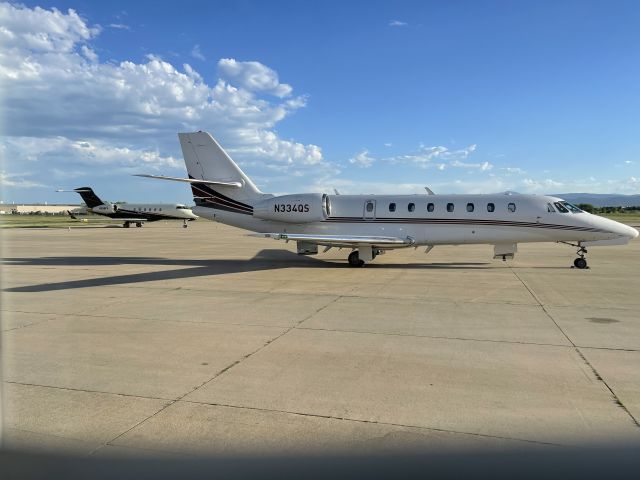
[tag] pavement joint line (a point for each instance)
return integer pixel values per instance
(615, 396)
(87, 390)
(218, 374)
(593, 369)
(435, 337)
(371, 422)
(215, 323)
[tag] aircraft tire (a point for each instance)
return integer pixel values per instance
(126, 225)
(354, 259)
(580, 263)
(139, 224)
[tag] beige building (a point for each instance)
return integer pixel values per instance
(27, 208)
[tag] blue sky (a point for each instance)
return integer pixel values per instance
(366, 97)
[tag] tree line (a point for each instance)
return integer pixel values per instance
(587, 207)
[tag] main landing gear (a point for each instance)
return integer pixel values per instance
(581, 261)
(356, 259)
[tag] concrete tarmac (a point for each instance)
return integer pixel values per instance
(169, 341)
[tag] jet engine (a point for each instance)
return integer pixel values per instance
(301, 208)
(106, 208)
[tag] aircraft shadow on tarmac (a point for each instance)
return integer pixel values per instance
(264, 260)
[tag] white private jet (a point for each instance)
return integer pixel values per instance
(136, 213)
(372, 224)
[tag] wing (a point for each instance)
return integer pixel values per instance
(103, 218)
(342, 240)
(192, 180)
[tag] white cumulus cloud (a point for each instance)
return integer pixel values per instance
(253, 76)
(362, 159)
(58, 94)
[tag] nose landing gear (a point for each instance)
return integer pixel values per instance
(184, 225)
(581, 262)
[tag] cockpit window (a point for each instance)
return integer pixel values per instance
(560, 207)
(550, 208)
(572, 208)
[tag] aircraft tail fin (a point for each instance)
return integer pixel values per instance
(206, 160)
(89, 197)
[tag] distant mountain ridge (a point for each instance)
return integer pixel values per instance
(601, 199)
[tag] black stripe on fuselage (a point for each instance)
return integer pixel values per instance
(147, 216)
(464, 221)
(216, 199)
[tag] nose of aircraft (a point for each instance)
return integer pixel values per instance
(626, 230)
(618, 228)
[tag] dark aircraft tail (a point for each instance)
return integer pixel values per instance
(90, 198)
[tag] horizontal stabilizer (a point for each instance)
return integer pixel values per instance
(341, 240)
(191, 180)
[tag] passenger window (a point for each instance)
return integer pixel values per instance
(411, 207)
(511, 207)
(491, 207)
(369, 206)
(561, 207)
(470, 207)
(550, 208)
(450, 207)
(392, 207)
(430, 207)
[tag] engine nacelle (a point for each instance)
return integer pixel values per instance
(106, 208)
(302, 208)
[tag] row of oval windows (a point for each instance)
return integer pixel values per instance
(450, 207)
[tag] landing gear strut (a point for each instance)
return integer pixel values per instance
(354, 259)
(184, 225)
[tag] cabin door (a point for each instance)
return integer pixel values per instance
(369, 210)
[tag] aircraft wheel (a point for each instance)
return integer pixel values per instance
(138, 224)
(126, 225)
(184, 225)
(580, 263)
(354, 259)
